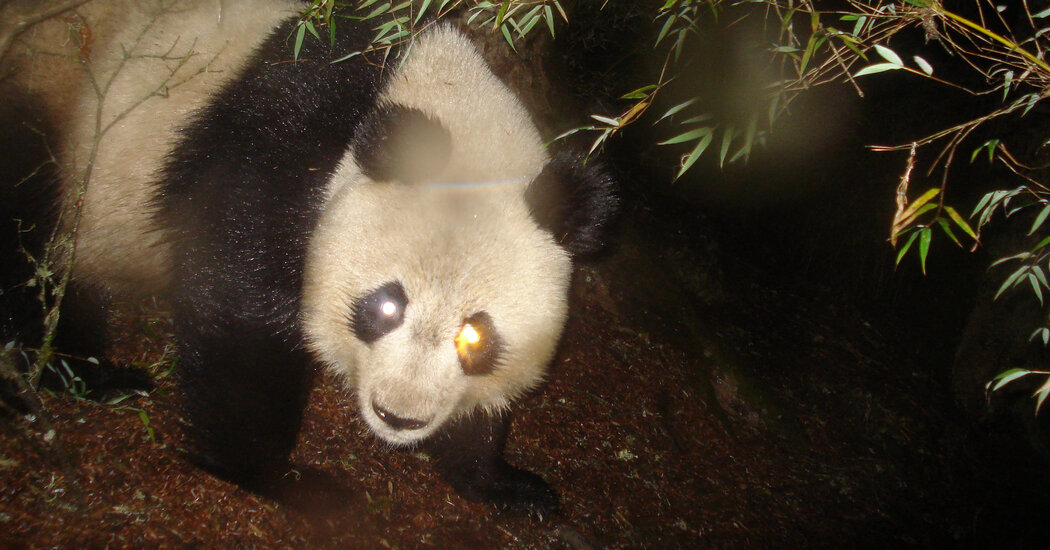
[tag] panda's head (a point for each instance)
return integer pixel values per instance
(436, 281)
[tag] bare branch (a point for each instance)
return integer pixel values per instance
(12, 25)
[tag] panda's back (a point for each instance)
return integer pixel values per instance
(154, 65)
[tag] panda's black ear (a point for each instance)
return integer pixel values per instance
(575, 199)
(401, 144)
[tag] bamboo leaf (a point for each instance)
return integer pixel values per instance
(422, 11)
(506, 35)
(907, 245)
(912, 210)
(606, 120)
(379, 10)
(639, 93)
(701, 146)
(1040, 219)
(877, 68)
(1041, 394)
(299, 36)
(663, 30)
(923, 64)
(889, 55)
(925, 236)
(1005, 377)
(676, 108)
(1033, 281)
(502, 13)
(1010, 282)
(688, 136)
(943, 223)
(1019, 256)
(961, 222)
(1041, 275)
(727, 138)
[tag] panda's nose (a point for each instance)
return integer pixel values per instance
(397, 422)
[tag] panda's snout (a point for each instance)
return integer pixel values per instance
(397, 422)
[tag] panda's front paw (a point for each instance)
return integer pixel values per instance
(521, 492)
(511, 490)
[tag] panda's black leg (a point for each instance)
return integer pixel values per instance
(469, 455)
(80, 342)
(243, 399)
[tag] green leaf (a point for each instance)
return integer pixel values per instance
(915, 208)
(877, 68)
(691, 135)
(889, 55)
(1041, 394)
(422, 10)
(959, 221)
(1040, 219)
(1041, 275)
(548, 14)
(1010, 281)
(379, 10)
(1033, 281)
(347, 56)
(918, 3)
(1018, 256)
(923, 64)
(727, 138)
(1005, 377)
(663, 30)
(694, 154)
(990, 145)
(948, 230)
(639, 93)
(313, 31)
(925, 236)
(506, 35)
(502, 13)
(676, 108)
(299, 36)
(1043, 333)
(532, 18)
(907, 245)
(606, 120)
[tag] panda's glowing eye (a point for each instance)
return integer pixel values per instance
(478, 345)
(378, 312)
(468, 336)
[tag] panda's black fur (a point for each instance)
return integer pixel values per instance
(238, 200)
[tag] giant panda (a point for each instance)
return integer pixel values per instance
(395, 220)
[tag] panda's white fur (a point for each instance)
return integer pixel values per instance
(465, 242)
(161, 62)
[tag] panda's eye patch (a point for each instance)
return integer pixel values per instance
(379, 312)
(478, 345)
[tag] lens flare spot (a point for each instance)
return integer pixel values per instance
(468, 336)
(388, 308)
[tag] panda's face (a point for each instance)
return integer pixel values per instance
(429, 287)
(430, 300)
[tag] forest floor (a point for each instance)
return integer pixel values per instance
(771, 418)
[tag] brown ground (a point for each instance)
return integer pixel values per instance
(791, 424)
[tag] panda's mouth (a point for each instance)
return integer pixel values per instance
(397, 422)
